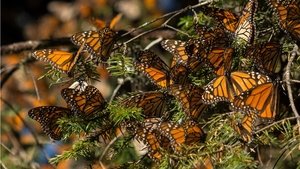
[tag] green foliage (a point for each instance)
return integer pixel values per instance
(119, 113)
(79, 149)
(120, 65)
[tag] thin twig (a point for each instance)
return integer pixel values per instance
(10, 151)
(171, 14)
(294, 81)
(120, 83)
(288, 84)
(2, 164)
(33, 45)
(108, 146)
(156, 41)
(9, 72)
(277, 122)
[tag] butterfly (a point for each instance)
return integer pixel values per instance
(267, 57)
(194, 132)
(186, 133)
(153, 103)
(224, 88)
(245, 128)
(159, 72)
(289, 16)
(243, 27)
(182, 52)
(48, 116)
(263, 99)
(97, 43)
(190, 98)
(84, 103)
(216, 36)
(61, 60)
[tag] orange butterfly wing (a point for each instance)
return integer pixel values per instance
(48, 116)
(60, 60)
(263, 100)
(86, 103)
(155, 68)
(97, 43)
(154, 103)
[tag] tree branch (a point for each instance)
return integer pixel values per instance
(33, 45)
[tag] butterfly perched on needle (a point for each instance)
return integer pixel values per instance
(60, 60)
(263, 100)
(97, 43)
(158, 71)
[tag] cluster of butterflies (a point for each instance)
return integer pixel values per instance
(254, 93)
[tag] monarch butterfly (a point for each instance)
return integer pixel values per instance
(194, 132)
(152, 142)
(245, 128)
(175, 133)
(223, 88)
(289, 16)
(156, 69)
(263, 99)
(242, 27)
(84, 103)
(97, 43)
(189, 96)
(48, 116)
(153, 103)
(245, 28)
(61, 60)
(211, 37)
(267, 57)
(182, 52)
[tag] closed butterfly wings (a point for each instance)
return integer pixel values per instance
(156, 69)
(48, 116)
(190, 98)
(154, 103)
(246, 127)
(245, 28)
(85, 103)
(97, 43)
(61, 60)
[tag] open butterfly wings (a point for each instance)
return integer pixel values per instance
(61, 60)
(97, 43)
(48, 116)
(85, 103)
(289, 16)
(262, 99)
(224, 89)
